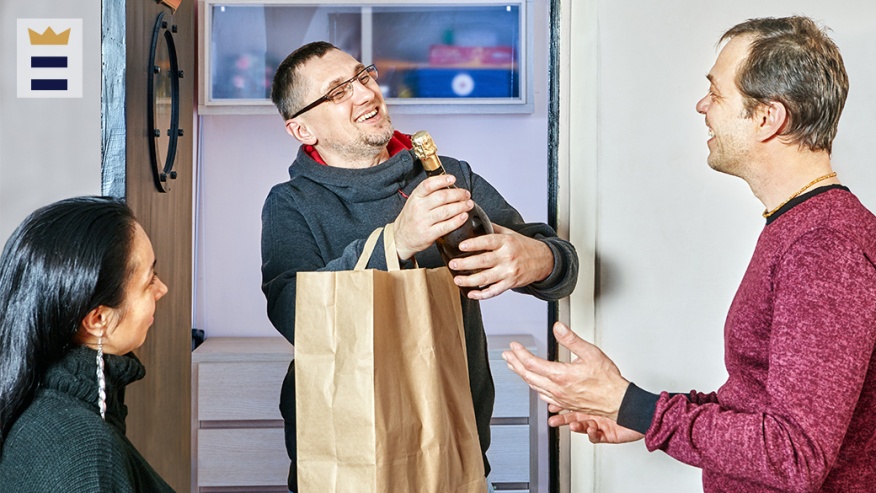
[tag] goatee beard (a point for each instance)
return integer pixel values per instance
(378, 140)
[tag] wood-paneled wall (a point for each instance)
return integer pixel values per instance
(159, 407)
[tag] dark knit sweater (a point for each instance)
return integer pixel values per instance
(319, 220)
(798, 411)
(60, 443)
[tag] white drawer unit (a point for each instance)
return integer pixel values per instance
(238, 442)
(513, 450)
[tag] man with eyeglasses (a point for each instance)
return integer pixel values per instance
(354, 173)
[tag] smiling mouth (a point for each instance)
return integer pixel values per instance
(367, 116)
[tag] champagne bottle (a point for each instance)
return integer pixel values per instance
(477, 224)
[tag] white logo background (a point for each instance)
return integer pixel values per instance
(73, 50)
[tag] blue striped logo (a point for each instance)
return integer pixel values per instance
(48, 84)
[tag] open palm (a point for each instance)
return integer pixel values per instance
(598, 429)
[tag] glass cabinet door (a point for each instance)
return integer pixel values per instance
(448, 53)
(431, 57)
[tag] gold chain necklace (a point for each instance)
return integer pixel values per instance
(767, 213)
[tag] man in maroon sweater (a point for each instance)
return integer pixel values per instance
(798, 411)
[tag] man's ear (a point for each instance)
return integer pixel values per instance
(771, 119)
(300, 132)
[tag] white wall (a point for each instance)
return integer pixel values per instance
(242, 157)
(673, 236)
(49, 148)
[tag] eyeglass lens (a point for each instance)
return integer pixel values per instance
(341, 92)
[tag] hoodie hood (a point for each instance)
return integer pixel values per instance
(359, 185)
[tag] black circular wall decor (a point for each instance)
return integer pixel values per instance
(163, 112)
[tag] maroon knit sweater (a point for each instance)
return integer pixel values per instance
(798, 411)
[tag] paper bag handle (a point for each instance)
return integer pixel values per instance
(389, 248)
(368, 249)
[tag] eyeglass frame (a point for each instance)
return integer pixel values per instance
(370, 70)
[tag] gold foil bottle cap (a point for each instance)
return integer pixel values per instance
(423, 144)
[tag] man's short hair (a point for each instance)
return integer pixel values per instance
(792, 60)
(288, 88)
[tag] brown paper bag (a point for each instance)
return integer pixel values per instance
(382, 390)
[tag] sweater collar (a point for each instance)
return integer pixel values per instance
(76, 375)
(397, 143)
(802, 198)
(358, 185)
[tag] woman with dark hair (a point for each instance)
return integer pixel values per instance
(77, 295)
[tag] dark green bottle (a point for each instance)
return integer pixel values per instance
(477, 224)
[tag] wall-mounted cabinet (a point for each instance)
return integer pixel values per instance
(432, 56)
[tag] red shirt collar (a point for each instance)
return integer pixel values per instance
(399, 142)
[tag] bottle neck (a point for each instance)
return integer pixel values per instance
(432, 164)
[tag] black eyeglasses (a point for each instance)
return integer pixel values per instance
(344, 90)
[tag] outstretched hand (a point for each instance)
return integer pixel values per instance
(598, 429)
(590, 384)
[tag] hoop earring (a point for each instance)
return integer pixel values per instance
(101, 381)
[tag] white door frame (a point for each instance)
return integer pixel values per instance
(577, 203)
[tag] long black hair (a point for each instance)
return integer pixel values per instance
(64, 260)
